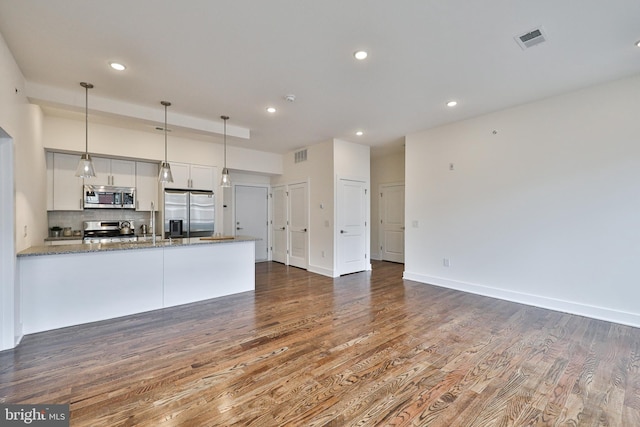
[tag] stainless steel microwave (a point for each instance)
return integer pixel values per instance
(107, 197)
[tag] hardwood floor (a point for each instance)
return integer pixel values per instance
(306, 350)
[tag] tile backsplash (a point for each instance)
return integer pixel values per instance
(74, 219)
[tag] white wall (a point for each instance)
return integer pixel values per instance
(62, 134)
(352, 160)
(20, 123)
(317, 171)
(387, 169)
(544, 211)
(326, 162)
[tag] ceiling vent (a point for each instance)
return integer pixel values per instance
(300, 156)
(531, 38)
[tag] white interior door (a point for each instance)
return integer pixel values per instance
(298, 226)
(279, 224)
(351, 230)
(392, 222)
(252, 215)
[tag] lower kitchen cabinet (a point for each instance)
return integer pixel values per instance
(70, 288)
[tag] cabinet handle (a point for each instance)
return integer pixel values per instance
(137, 205)
(81, 207)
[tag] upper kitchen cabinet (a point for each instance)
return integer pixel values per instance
(196, 177)
(121, 173)
(146, 186)
(64, 187)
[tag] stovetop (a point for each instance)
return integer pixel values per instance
(108, 230)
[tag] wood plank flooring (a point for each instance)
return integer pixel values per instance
(365, 349)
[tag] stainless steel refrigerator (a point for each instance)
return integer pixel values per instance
(188, 213)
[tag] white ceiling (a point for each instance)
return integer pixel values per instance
(211, 58)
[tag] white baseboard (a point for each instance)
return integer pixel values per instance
(601, 313)
(321, 270)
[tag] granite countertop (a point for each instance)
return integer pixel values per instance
(148, 244)
(55, 239)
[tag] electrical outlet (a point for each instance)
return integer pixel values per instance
(446, 262)
(25, 231)
(322, 254)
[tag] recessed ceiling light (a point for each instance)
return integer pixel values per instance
(452, 103)
(638, 43)
(271, 110)
(360, 55)
(117, 66)
(359, 133)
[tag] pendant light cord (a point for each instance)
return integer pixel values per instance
(86, 87)
(166, 104)
(86, 119)
(225, 118)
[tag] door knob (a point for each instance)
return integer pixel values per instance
(304, 230)
(238, 228)
(283, 228)
(342, 232)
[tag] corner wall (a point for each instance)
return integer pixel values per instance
(318, 172)
(22, 123)
(542, 206)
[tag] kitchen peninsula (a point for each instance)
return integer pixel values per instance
(74, 284)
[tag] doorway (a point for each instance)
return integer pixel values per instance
(392, 227)
(251, 209)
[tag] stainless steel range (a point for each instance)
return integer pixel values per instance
(109, 231)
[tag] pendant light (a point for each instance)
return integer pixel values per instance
(225, 182)
(85, 166)
(165, 169)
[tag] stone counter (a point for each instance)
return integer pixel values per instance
(145, 244)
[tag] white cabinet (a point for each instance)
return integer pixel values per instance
(181, 176)
(202, 177)
(196, 177)
(121, 173)
(49, 160)
(146, 186)
(65, 187)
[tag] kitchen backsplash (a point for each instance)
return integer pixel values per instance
(74, 219)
